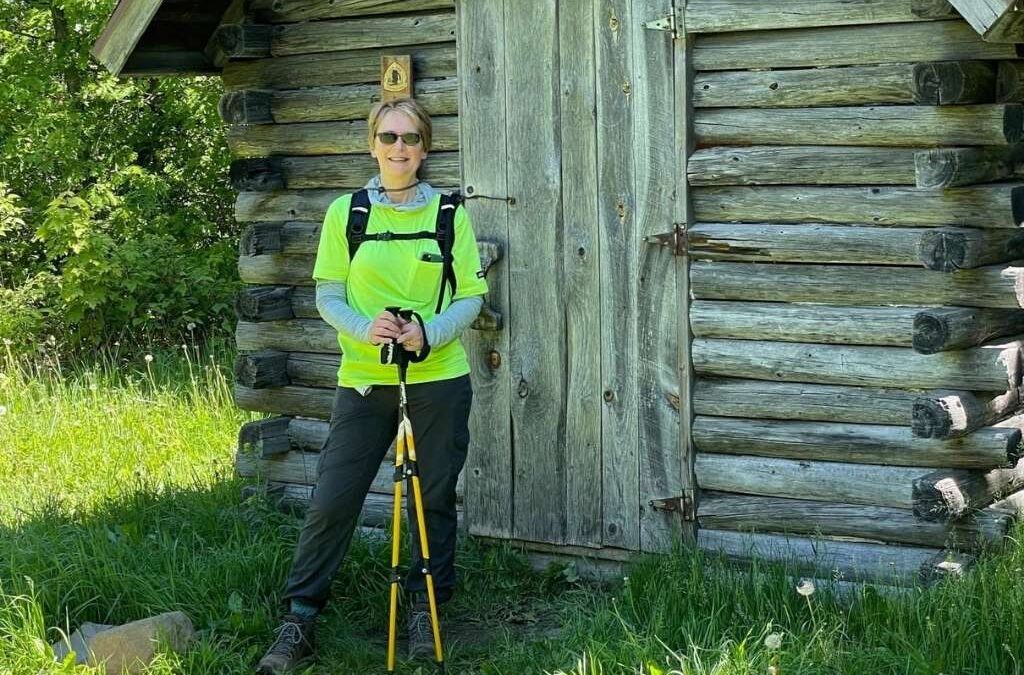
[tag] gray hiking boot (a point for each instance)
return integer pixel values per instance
(421, 633)
(292, 648)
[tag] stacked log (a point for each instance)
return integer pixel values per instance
(858, 295)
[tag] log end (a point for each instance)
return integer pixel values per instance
(1013, 124)
(246, 107)
(260, 239)
(265, 438)
(931, 332)
(262, 370)
(930, 419)
(261, 174)
(943, 250)
(936, 168)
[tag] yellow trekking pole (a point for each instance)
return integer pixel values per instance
(406, 468)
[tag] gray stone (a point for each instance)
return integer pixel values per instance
(130, 647)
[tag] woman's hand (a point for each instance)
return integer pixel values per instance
(385, 327)
(411, 338)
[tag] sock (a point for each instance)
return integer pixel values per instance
(304, 611)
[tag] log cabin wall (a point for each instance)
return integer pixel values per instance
(300, 79)
(856, 289)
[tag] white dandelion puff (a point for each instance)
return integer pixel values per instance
(806, 588)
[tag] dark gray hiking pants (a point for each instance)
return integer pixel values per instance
(362, 429)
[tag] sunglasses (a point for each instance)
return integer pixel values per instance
(390, 138)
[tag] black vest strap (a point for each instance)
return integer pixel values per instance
(358, 217)
(446, 242)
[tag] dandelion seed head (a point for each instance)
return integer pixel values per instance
(149, 358)
(191, 326)
(7, 342)
(806, 588)
(773, 641)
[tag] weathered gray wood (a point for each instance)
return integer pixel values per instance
(582, 289)
(1010, 82)
(768, 242)
(733, 397)
(538, 361)
(802, 323)
(248, 106)
(998, 286)
(262, 369)
(346, 172)
(806, 165)
(257, 173)
(300, 468)
(948, 249)
(946, 82)
(726, 511)
(657, 299)
(264, 238)
(144, 63)
(616, 317)
(353, 102)
(276, 269)
(122, 32)
(995, 20)
(264, 303)
(992, 124)
(722, 16)
(683, 213)
(950, 494)
(954, 82)
(834, 559)
(954, 167)
(999, 205)
(986, 448)
(988, 368)
(948, 328)
(243, 40)
(297, 335)
(310, 37)
(313, 370)
(291, 400)
(345, 67)
(282, 11)
(265, 438)
(322, 138)
(847, 45)
(482, 107)
(951, 413)
(818, 481)
(307, 205)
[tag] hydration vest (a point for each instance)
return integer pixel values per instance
(444, 234)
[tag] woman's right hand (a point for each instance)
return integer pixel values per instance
(385, 327)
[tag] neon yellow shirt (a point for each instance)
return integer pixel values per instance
(393, 273)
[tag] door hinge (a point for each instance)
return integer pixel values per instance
(666, 23)
(685, 505)
(676, 239)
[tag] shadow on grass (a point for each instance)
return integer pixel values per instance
(222, 560)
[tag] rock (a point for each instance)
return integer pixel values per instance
(78, 642)
(130, 647)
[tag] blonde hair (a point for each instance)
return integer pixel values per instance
(410, 107)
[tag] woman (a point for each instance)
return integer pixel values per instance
(399, 262)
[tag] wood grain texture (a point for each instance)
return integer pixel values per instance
(722, 16)
(989, 368)
(736, 397)
(997, 286)
(846, 45)
(580, 264)
(1000, 205)
(617, 317)
(992, 124)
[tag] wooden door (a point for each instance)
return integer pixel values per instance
(570, 158)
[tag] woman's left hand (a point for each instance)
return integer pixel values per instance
(411, 338)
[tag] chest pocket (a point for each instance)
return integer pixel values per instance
(423, 274)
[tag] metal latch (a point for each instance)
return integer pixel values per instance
(666, 23)
(683, 504)
(676, 239)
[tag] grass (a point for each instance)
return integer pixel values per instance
(118, 501)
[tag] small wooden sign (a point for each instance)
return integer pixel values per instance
(395, 77)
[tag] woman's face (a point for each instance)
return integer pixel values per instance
(398, 162)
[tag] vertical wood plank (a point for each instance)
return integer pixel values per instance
(614, 24)
(582, 273)
(683, 66)
(481, 62)
(537, 320)
(655, 159)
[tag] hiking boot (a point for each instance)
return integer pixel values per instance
(292, 648)
(421, 633)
